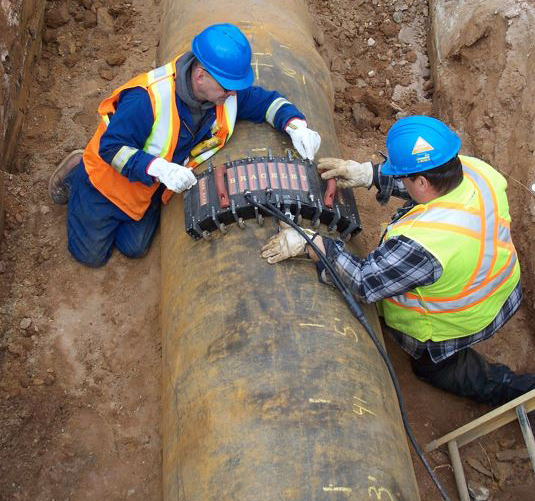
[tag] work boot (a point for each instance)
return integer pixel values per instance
(59, 194)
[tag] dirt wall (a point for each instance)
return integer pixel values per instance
(483, 63)
(21, 22)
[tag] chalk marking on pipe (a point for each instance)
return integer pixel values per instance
(379, 492)
(256, 64)
(263, 54)
(319, 401)
(248, 30)
(259, 149)
(348, 330)
(289, 72)
(359, 409)
(308, 100)
(332, 488)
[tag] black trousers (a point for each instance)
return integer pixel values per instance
(468, 374)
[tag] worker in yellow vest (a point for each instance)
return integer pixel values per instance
(153, 131)
(446, 273)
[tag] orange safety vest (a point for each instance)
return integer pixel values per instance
(134, 198)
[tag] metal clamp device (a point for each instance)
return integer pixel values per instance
(293, 185)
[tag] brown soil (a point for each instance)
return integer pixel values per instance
(80, 349)
(80, 384)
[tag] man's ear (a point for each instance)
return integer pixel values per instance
(197, 74)
(422, 183)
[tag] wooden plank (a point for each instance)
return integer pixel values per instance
(486, 423)
(458, 471)
(527, 432)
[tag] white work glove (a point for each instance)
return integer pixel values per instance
(286, 243)
(350, 174)
(305, 140)
(176, 177)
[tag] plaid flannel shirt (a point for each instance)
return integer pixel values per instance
(397, 266)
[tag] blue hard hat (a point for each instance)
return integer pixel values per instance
(418, 143)
(225, 53)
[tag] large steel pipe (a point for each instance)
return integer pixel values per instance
(271, 390)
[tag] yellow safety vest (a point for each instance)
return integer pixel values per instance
(134, 198)
(468, 231)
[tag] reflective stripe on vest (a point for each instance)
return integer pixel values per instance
(467, 231)
(163, 90)
(134, 198)
(223, 127)
(484, 226)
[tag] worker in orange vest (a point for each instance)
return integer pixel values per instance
(152, 132)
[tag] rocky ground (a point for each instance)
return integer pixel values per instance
(79, 348)
(80, 351)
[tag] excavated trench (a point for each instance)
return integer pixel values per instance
(80, 354)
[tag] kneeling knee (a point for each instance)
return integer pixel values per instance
(91, 259)
(132, 252)
(135, 255)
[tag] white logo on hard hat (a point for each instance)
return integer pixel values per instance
(422, 159)
(421, 146)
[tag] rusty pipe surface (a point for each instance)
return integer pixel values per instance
(271, 389)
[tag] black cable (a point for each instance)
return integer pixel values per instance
(357, 312)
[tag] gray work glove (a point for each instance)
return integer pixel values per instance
(349, 174)
(175, 177)
(285, 244)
